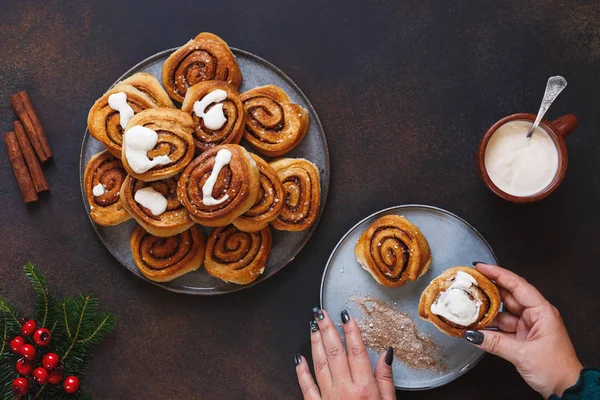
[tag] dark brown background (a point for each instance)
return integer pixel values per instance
(404, 89)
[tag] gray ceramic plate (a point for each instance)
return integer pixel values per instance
(453, 242)
(286, 245)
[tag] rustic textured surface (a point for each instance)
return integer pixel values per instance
(404, 90)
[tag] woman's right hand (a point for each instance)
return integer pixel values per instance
(531, 335)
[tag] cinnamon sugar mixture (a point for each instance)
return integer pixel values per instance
(385, 326)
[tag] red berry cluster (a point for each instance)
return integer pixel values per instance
(49, 369)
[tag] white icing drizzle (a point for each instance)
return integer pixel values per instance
(454, 303)
(138, 141)
(99, 190)
(151, 199)
(214, 118)
(118, 102)
(222, 159)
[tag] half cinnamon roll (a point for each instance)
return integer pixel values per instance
(301, 194)
(164, 259)
(393, 251)
(237, 257)
(155, 206)
(274, 124)
(204, 58)
(217, 111)
(460, 299)
(158, 144)
(110, 114)
(103, 177)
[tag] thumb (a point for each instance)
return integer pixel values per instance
(498, 343)
(384, 375)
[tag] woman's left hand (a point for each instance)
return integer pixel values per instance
(341, 374)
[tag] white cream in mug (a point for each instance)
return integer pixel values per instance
(520, 166)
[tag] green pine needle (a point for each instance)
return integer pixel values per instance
(44, 300)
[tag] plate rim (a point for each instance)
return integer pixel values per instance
(400, 207)
(325, 189)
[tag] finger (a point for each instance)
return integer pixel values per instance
(505, 321)
(319, 356)
(384, 375)
(499, 343)
(334, 349)
(525, 293)
(309, 388)
(358, 359)
(510, 302)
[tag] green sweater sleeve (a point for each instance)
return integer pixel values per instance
(586, 388)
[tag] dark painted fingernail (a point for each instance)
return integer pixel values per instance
(297, 358)
(389, 356)
(314, 326)
(474, 337)
(345, 317)
(318, 314)
(477, 262)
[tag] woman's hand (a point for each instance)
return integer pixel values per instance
(342, 375)
(531, 335)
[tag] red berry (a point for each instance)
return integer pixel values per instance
(50, 360)
(24, 367)
(22, 321)
(71, 384)
(40, 375)
(55, 377)
(29, 328)
(42, 336)
(20, 386)
(28, 351)
(16, 343)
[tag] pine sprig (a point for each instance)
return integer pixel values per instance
(46, 304)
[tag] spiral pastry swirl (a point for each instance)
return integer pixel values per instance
(171, 222)
(143, 91)
(174, 129)
(105, 172)
(164, 259)
(237, 257)
(204, 58)
(269, 203)
(393, 250)
(481, 292)
(301, 194)
(274, 125)
(237, 186)
(231, 131)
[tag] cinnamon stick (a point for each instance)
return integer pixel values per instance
(19, 168)
(23, 115)
(39, 130)
(35, 170)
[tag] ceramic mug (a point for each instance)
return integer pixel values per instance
(557, 130)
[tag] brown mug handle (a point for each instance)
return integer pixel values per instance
(565, 125)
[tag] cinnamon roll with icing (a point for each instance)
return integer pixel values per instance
(393, 251)
(103, 177)
(460, 299)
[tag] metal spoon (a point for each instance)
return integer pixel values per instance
(555, 85)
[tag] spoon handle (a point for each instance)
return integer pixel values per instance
(555, 85)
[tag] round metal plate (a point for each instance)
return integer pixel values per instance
(256, 72)
(453, 242)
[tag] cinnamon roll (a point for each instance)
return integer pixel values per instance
(204, 58)
(235, 256)
(155, 206)
(301, 194)
(460, 299)
(103, 177)
(217, 111)
(157, 144)
(393, 251)
(164, 259)
(274, 124)
(269, 203)
(219, 185)
(110, 114)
